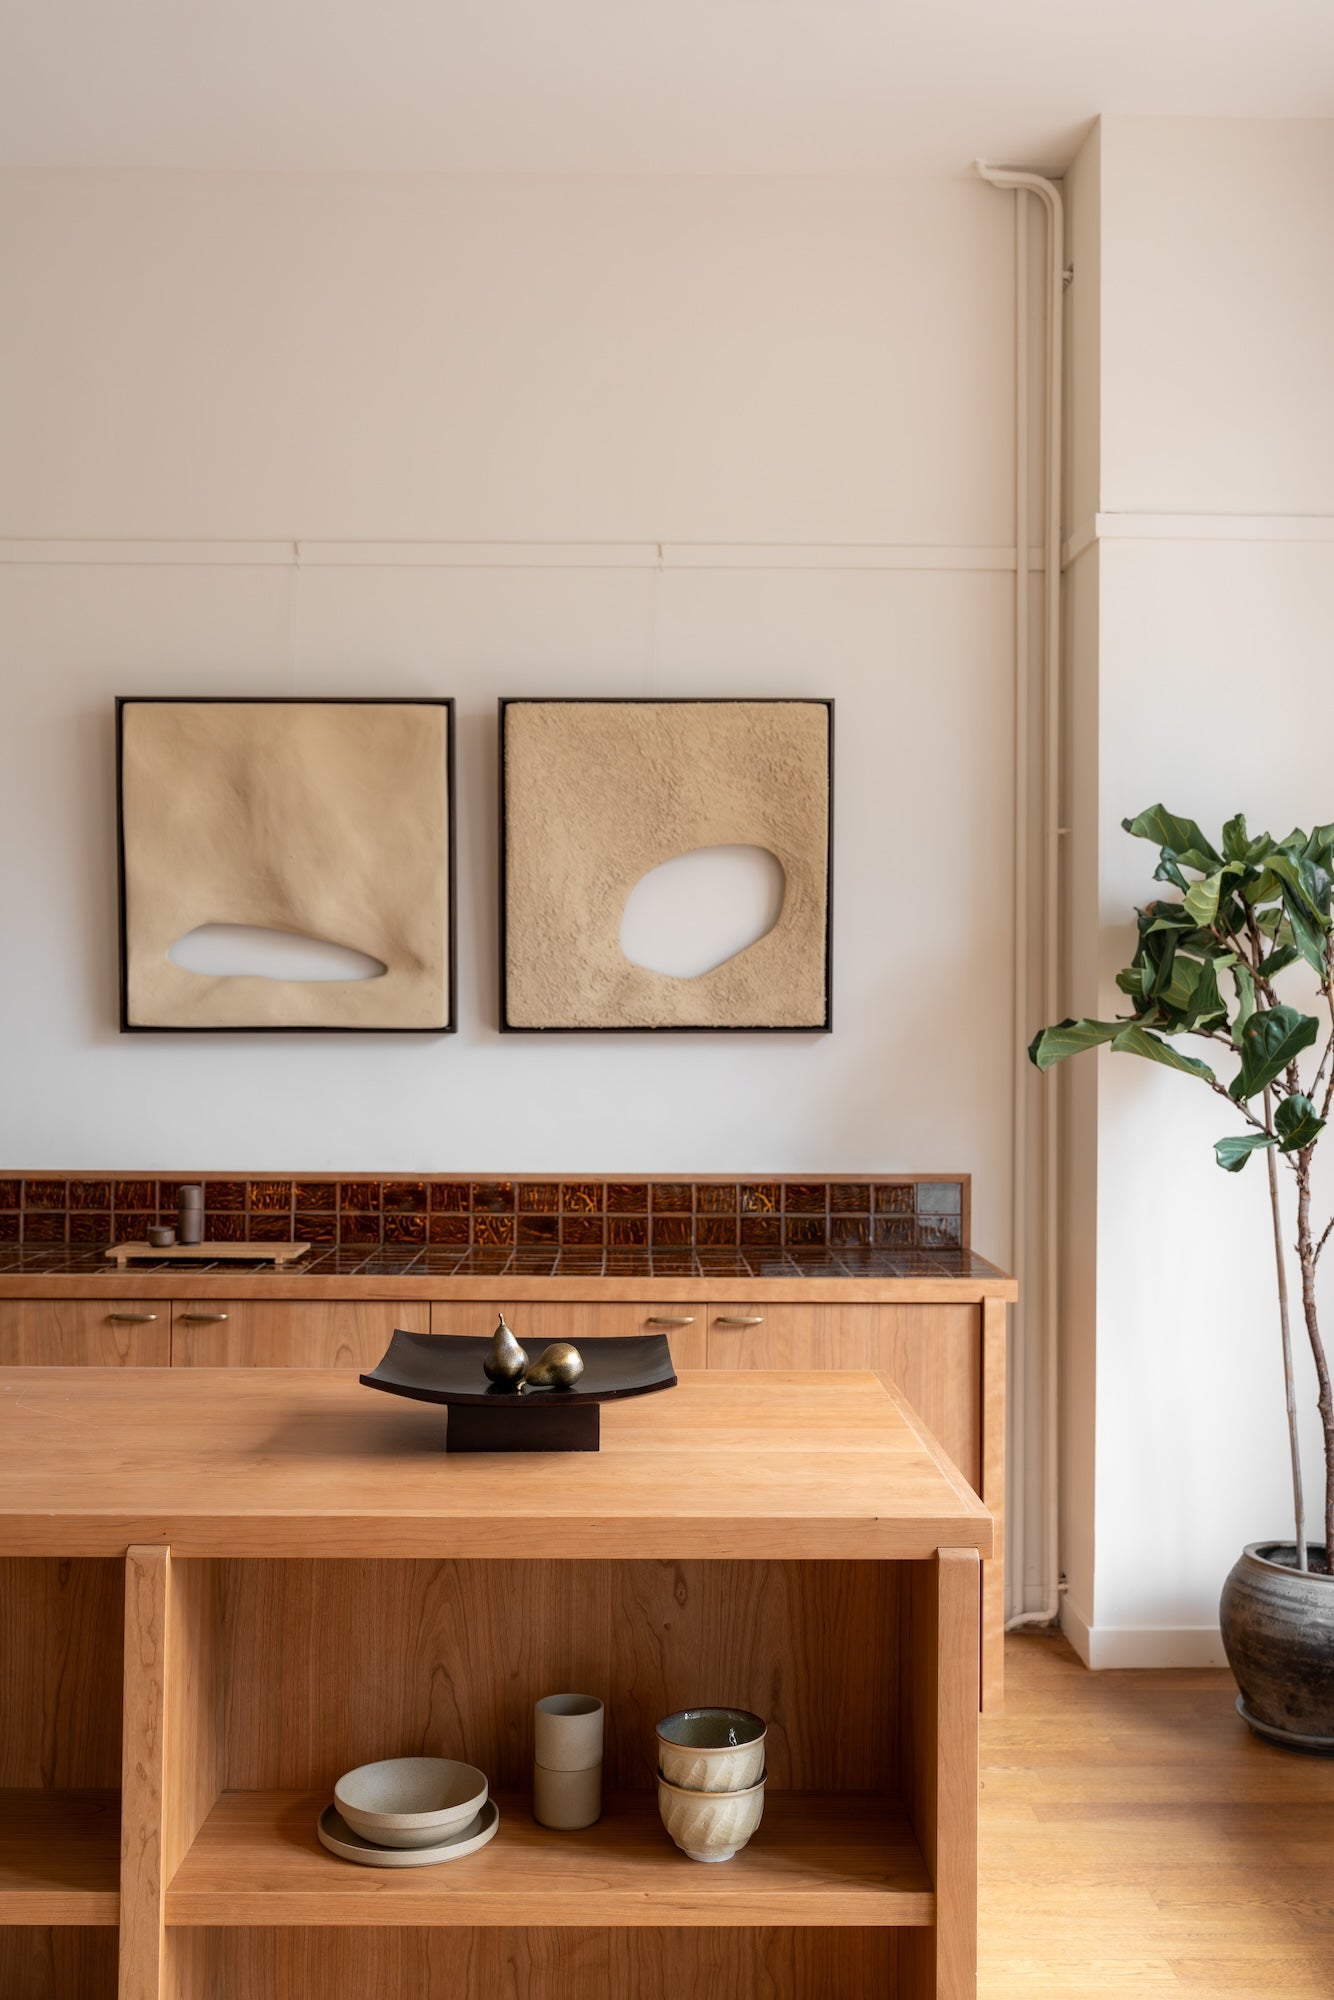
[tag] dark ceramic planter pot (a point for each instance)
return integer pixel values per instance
(1278, 1632)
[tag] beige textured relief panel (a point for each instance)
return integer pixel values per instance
(328, 819)
(598, 793)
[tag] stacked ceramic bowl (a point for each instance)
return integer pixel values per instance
(409, 1812)
(711, 1780)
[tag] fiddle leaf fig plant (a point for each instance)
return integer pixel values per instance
(1243, 915)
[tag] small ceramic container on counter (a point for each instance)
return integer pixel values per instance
(710, 1826)
(567, 1800)
(567, 1732)
(410, 1801)
(711, 1749)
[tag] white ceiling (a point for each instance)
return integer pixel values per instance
(659, 86)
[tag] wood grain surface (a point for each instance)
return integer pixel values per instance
(245, 1333)
(143, 1768)
(59, 1857)
(85, 1333)
(585, 1319)
(61, 1638)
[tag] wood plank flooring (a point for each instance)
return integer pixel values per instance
(1137, 1841)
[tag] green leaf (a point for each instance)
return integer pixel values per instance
(1271, 1039)
(1305, 879)
(1134, 1040)
(1308, 939)
(1069, 1038)
(1192, 992)
(1180, 837)
(1274, 961)
(1233, 1153)
(1238, 844)
(1202, 899)
(1245, 984)
(1298, 1122)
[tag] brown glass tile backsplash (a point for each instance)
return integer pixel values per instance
(898, 1211)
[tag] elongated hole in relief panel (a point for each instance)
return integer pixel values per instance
(691, 914)
(235, 951)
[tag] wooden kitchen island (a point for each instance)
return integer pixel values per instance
(220, 1588)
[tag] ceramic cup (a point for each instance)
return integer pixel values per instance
(711, 1749)
(567, 1732)
(710, 1826)
(567, 1800)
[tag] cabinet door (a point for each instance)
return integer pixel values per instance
(85, 1333)
(930, 1352)
(536, 1322)
(269, 1333)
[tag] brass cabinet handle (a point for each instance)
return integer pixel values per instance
(744, 1319)
(670, 1319)
(202, 1319)
(137, 1318)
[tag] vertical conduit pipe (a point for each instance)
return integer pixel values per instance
(1048, 193)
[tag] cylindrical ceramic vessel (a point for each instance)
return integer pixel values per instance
(711, 1749)
(190, 1214)
(1278, 1633)
(710, 1826)
(567, 1800)
(567, 1732)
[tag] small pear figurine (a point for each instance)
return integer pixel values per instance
(557, 1367)
(505, 1360)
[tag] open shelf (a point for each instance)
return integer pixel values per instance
(60, 1857)
(845, 1859)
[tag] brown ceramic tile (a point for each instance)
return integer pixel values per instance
(850, 1231)
(939, 1232)
(492, 1229)
(715, 1198)
(134, 1194)
(10, 1194)
(449, 1197)
(715, 1231)
(533, 1229)
(90, 1194)
(672, 1197)
(316, 1195)
(224, 1226)
(539, 1197)
(44, 1227)
(581, 1197)
(761, 1231)
(90, 1225)
(940, 1197)
(850, 1197)
(581, 1230)
(316, 1228)
(492, 1198)
(671, 1230)
(897, 1199)
(407, 1197)
(224, 1194)
(269, 1198)
(627, 1229)
(267, 1227)
(803, 1229)
(404, 1228)
(895, 1232)
(805, 1198)
(627, 1197)
(361, 1197)
(355, 1226)
(9, 1225)
(759, 1197)
(449, 1229)
(48, 1194)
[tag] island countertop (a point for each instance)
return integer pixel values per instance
(308, 1462)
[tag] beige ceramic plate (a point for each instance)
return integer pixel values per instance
(338, 1837)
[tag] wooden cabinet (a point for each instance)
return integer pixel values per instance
(85, 1333)
(583, 1319)
(262, 1333)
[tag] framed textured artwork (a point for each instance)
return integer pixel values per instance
(599, 798)
(286, 864)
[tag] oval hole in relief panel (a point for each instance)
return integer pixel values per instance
(691, 914)
(235, 951)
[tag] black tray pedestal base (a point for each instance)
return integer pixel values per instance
(554, 1426)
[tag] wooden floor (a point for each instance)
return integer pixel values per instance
(1138, 1840)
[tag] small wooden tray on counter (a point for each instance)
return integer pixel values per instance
(277, 1254)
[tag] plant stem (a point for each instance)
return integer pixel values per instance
(1289, 1386)
(1325, 1401)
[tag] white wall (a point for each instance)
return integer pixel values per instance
(787, 407)
(1205, 600)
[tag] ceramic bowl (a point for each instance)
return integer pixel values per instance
(711, 1749)
(410, 1801)
(710, 1826)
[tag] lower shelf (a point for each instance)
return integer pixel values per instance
(819, 1859)
(59, 1857)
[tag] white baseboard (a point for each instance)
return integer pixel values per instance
(1109, 1646)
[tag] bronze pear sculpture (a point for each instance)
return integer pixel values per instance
(505, 1360)
(557, 1367)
